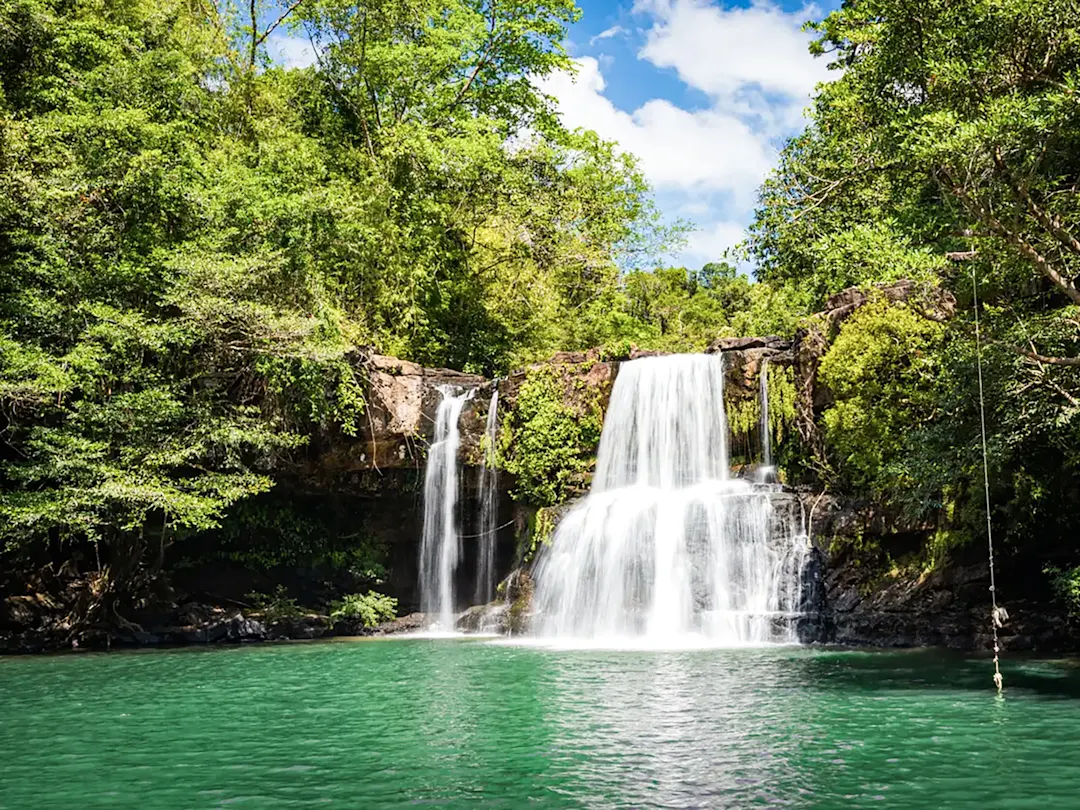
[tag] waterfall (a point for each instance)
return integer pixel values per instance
(489, 507)
(766, 436)
(667, 544)
(440, 545)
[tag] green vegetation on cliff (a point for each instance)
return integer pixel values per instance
(549, 440)
(945, 149)
(198, 248)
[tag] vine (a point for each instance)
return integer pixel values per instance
(314, 391)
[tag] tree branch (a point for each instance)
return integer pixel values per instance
(492, 39)
(1050, 361)
(1042, 264)
(273, 26)
(254, 34)
(1051, 223)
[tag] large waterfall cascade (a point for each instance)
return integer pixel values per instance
(489, 507)
(667, 545)
(440, 545)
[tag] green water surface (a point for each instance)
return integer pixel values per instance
(473, 724)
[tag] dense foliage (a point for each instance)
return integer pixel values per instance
(198, 247)
(945, 151)
(549, 440)
(195, 243)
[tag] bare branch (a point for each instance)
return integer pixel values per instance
(492, 39)
(273, 26)
(980, 212)
(1050, 361)
(1051, 223)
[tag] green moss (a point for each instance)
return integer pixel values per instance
(781, 401)
(517, 616)
(548, 440)
(539, 532)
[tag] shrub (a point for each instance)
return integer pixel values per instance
(277, 605)
(1065, 583)
(549, 441)
(369, 608)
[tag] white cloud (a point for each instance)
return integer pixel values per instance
(729, 52)
(291, 52)
(608, 33)
(754, 67)
(707, 244)
(707, 150)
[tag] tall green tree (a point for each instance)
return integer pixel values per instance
(946, 151)
(197, 246)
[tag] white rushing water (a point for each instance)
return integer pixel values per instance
(440, 546)
(763, 392)
(489, 508)
(667, 548)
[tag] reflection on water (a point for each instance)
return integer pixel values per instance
(467, 724)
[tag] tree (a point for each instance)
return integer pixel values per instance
(946, 151)
(197, 247)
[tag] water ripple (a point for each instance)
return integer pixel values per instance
(468, 724)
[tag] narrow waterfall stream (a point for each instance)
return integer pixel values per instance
(489, 507)
(766, 436)
(440, 545)
(667, 544)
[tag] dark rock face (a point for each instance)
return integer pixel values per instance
(865, 599)
(19, 613)
(722, 345)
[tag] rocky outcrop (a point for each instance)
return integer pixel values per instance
(740, 344)
(877, 588)
(398, 419)
(813, 338)
(933, 302)
(401, 403)
(743, 359)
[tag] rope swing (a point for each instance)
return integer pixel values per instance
(998, 616)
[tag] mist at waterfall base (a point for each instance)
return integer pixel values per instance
(668, 549)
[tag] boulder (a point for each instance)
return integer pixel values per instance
(19, 613)
(490, 618)
(410, 623)
(738, 344)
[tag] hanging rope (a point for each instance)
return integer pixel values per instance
(998, 616)
(485, 534)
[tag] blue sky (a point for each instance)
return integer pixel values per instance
(704, 93)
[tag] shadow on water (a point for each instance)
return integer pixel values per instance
(934, 668)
